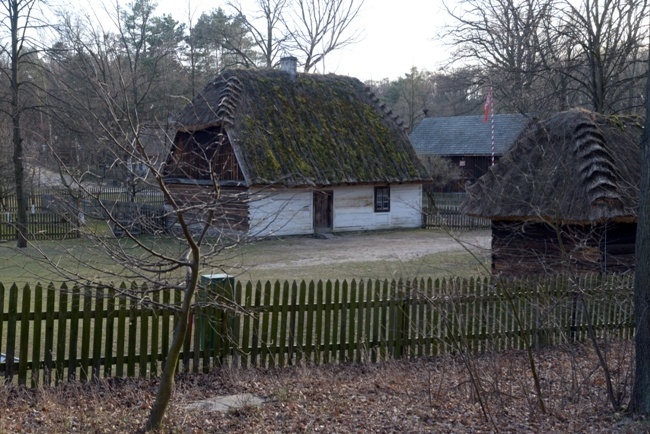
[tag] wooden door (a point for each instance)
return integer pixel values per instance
(323, 210)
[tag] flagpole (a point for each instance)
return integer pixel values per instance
(492, 122)
(490, 112)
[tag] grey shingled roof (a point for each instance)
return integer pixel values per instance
(466, 135)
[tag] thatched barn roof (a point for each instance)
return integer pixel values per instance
(304, 129)
(575, 167)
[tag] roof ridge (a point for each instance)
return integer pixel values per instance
(596, 165)
(382, 107)
(227, 99)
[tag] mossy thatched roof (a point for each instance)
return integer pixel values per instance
(575, 167)
(304, 129)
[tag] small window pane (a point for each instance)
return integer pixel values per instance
(382, 199)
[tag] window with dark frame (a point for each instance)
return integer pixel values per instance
(382, 199)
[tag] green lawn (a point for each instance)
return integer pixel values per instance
(291, 258)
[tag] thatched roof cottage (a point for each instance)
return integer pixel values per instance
(564, 197)
(295, 154)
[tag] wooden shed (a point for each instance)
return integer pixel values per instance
(466, 141)
(564, 197)
(295, 154)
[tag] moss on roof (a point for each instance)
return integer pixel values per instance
(305, 130)
(575, 167)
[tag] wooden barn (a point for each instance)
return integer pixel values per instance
(564, 197)
(467, 142)
(295, 153)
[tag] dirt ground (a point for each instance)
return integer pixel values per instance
(373, 246)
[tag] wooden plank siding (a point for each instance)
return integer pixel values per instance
(354, 208)
(68, 334)
(278, 212)
(290, 211)
(201, 155)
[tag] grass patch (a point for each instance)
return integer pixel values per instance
(381, 255)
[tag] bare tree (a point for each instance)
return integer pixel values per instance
(547, 55)
(411, 96)
(318, 27)
(309, 29)
(442, 171)
(91, 85)
(422, 93)
(143, 43)
(138, 68)
(18, 21)
(605, 40)
(507, 40)
(166, 260)
(270, 39)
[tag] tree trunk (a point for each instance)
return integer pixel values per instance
(166, 385)
(19, 168)
(21, 221)
(640, 400)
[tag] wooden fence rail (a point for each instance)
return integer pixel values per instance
(53, 334)
(42, 226)
(442, 210)
(42, 198)
(54, 212)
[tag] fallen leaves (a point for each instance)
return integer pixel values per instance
(426, 395)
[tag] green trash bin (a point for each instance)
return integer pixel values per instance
(215, 325)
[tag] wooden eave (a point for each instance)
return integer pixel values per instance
(341, 184)
(204, 182)
(547, 219)
(239, 156)
(195, 128)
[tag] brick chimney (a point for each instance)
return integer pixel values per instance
(289, 64)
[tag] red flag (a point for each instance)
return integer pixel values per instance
(488, 105)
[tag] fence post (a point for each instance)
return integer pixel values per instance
(12, 321)
(213, 287)
(404, 317)
(400, 318)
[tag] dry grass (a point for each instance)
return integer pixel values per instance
(433, 395)
(376, 255)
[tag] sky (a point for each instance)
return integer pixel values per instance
(396, 36)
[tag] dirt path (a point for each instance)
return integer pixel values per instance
(366, 247)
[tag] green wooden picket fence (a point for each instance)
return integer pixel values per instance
(61, 334)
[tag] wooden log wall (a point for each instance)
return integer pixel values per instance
(230, 204)
(520, 248)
